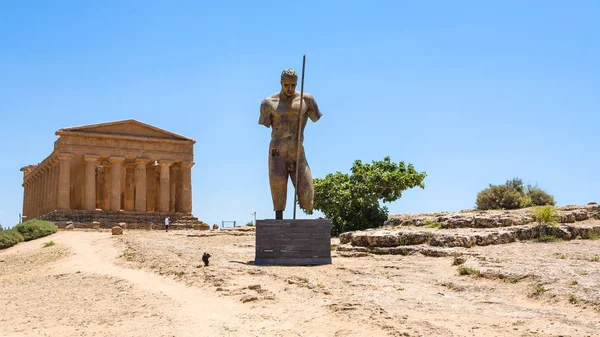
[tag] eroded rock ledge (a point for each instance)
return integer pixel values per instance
(490, 219)
(435, 234)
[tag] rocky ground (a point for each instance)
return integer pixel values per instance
(143, 283)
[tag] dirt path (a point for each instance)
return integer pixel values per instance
(76, 288)
(153, 284)
(197, 313)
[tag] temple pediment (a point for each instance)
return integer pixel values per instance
(129, 128)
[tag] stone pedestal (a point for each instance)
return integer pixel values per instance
(293, 242)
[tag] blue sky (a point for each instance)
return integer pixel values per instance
(472, 92)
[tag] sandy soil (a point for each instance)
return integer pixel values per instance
(91, 283)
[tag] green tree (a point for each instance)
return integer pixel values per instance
(352, 202)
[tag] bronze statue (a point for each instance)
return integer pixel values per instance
(281, 112)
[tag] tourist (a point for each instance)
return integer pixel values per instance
(167, 224)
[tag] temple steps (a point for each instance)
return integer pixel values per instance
(132, 219)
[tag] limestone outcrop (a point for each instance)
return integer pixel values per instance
(435, 234)
(491, 219)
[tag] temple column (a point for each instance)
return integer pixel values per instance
(64, 181)
(55, 174)
(106, 188)
(45, 181)
(99, 181)
(115, 182)
(164, 185)
(186, 187)
(25, 196)
(140, 184)
(49, 182)
(179, 191)
(38, 194)
(89, 194)
(151, 188)
(30, 207)
(32, 198)
(173, 187)
(129, 187)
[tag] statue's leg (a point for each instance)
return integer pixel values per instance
(305, 188)
(278, 178)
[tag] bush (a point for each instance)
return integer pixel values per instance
(34, 229)
(352, 201)
(539, 197)
(512, 195)
(9, 238)
(546, 214)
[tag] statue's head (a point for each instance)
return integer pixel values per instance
(289, 79)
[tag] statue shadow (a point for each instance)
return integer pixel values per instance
(248, 263)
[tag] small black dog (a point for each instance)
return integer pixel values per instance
(205, 257)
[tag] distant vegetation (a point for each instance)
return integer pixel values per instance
(26, 231)
(34, 229)
(352, 201)
(9, 238)
(513, 195)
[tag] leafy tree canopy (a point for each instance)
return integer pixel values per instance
(352, 201)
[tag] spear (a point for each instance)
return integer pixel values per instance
(299, 131)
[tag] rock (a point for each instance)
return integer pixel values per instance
(458, 260)
(248, 298)
(96, 225)
(255, 287)
(149, 226)
(70, 226)
(592, 203)
(215, 226)
(353, 254)
(123, 225)
(117, 230)
(202, 227)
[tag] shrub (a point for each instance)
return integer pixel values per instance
(432, 224)
(512, 195)
(9, 238)
(49, 244)
(539, 197)
(249, 224)
(462, 270)
(34, 229)
(548, 238)
(546, 214)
